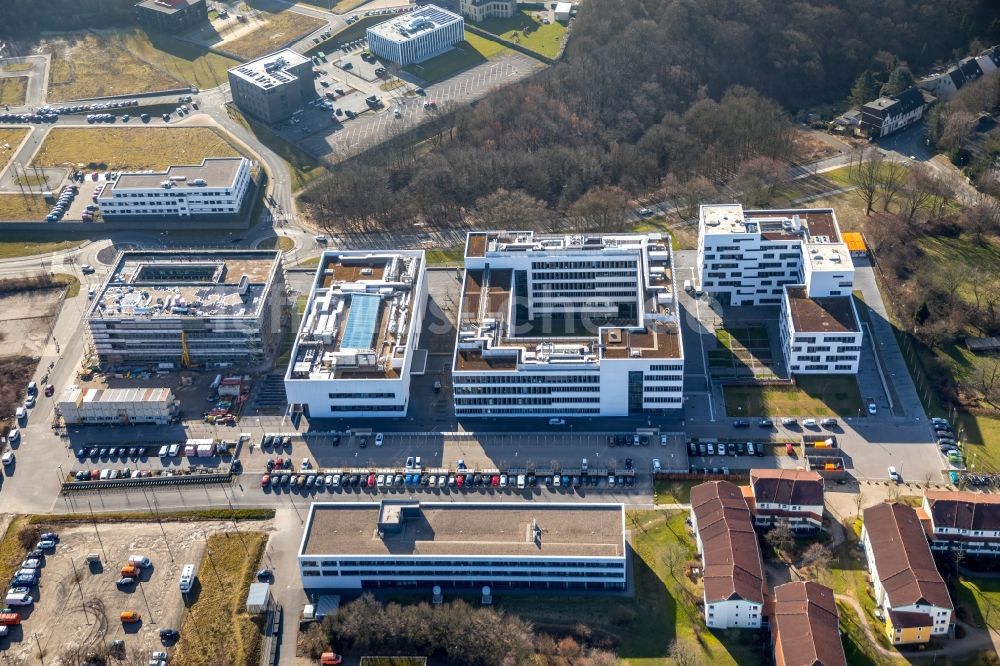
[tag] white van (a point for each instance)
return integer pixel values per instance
(140, 561)
(687, 285)
(13, 435)
(174, 450)
(164, 450)
(187, 578)
(520, 480)
(21, 413)
(19, 599)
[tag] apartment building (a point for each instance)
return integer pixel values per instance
(171, 16)
(274, 86)
(795, 259)
(734, 585)
(215, 188)
(908, 587)
(805, 629)
(189, 308)
(944, 85)
(567, 325)
(792, 496)
(963, 521)
(889, 114)
(356, 347)
(400, 544)
(416, 36)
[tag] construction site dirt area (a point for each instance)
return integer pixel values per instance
(28, 317)
(79, 605)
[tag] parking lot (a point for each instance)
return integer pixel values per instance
(78, 605)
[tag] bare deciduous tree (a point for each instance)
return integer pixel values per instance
(686, 653)
(891, 178)
(864, 175)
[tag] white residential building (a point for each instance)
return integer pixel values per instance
(105, 406)
(734, 586)
(481, 10)
(215, 188)
(208, 309)
(906, 581)
(963, 521)
(793, 496)
(417, 545)
(416, 36)
(567, 325)
(356, 347)
(792, 258)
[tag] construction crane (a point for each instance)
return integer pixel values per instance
(185, 356)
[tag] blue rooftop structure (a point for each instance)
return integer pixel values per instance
(361, 321)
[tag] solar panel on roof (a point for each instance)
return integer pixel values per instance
(361, 322)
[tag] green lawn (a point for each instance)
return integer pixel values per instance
(663, 606)
(812, 396)
(527, 31)
(981, 597)
(473, 51)
(446, 256)
(673, 492)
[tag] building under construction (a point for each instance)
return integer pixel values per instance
(188, 309)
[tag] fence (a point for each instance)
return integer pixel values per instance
(188, 479)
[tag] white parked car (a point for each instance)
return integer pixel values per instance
(894, 475)
(379, 439)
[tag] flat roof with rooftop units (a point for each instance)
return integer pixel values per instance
(212, 172)
(595, 306)
(362, 322)
(186, 284)
(401, 543)
(410, 25)
(271, 70)
(218, 307)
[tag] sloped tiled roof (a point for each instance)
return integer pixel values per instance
(787, 486)
(804, 626)
(903, 558)
(964, 510)
(731, 553)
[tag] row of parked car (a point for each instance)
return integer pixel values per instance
(84, 108)
(947, 443)
(724, 448)
(28, 117)
(28, 574)
(466, 480)
(63, 203)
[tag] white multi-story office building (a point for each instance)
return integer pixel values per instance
(417, 545)
(416, 36)
(215, 188)
(356, 347)
(567, 325)
(214, 308)
(792, 258)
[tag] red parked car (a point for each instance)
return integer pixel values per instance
(264, 480)
(460, 480)
(495, 481)
(371, 480)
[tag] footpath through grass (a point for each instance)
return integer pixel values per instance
(217, 629)
(13, 90)
(131, 148)
(10, 139)
(473, 51)
(525, 30)
(812, 396)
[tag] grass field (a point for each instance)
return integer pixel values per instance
(121, 62)
(446, 256)
(217, 628)
(275, 32)
(816, 396)
(10, 139)
(673, 492)
(17, 67)
(283, 243)
(18, 207)
(193, 65)
(663, 606)
(131, 148)
(13, 90)
(981, 596)
(71, 282)
(473, 51)
(527, 31)
(11, 551)
(25, 248)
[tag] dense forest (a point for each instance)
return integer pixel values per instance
(652, 95)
